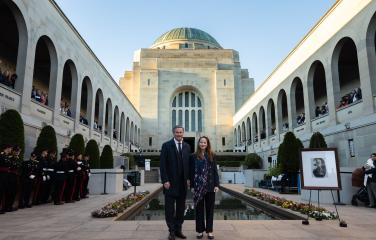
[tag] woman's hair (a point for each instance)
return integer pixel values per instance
(208, 148)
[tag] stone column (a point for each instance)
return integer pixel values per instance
(365, 78)
(332, 90)
(26, 83)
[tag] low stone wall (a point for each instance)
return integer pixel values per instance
(113, 179)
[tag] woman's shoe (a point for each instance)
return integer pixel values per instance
(210, 236)
(199, 235)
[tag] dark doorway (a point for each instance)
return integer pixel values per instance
(191, 142)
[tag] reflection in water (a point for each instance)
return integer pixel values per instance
(227, 207)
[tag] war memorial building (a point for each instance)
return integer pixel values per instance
(186, 77)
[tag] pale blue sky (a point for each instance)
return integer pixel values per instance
(262, 31)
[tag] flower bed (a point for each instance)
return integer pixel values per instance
(113, 209)
(313, 211)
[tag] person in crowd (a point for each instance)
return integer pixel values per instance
(370, 179)
(59, 178)
(33, 92)
(67, 110)
(95, 125)
(318, 111)
(5, 163)
(43, 99)
(12, 186)
(1, 77)
(43, 177)
(13, 79)
(326, 107)
(174, 169)
(37, 95)
(114, 134)
(86, 176)
(28, 180)
(256, 138)
(71, 168)
(204, 184)
(62, 108)
(79, 177)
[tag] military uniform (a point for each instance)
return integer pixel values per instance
(4, 169)
(79, 181)
(71, 168)
(85, 181)
(59, 182)
(28, 181)
(12, 187)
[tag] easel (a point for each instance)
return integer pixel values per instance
(306, 221)
(317, 154)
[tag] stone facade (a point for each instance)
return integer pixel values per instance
(213, 75)
(92, 91)
(335, 57)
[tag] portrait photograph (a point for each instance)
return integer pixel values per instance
(319, 169)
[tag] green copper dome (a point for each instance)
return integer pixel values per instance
(188, 34)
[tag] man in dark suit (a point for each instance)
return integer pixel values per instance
(174, 168)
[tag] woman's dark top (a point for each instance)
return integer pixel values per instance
(196, 164)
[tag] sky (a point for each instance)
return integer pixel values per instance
(262, 31)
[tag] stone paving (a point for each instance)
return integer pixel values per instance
(73, 221)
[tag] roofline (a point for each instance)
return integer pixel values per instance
(60, 11)
(185, 39)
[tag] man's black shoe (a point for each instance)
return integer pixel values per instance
(180, 235)
(171, 236)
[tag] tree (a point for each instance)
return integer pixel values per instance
(46, 140)
(107, 159)
(288, 153)
(12, 130)
(77, 144)
(253, 161)
(317, 141)
(93, 151)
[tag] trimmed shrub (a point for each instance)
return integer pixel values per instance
(77, 144)
(12, 130)
(274, 171)
(288, 153)
(46, 140)
(107, 159)
(317, 141)
(253, 161)
(93, 151)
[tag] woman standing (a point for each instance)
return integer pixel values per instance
(204, 183)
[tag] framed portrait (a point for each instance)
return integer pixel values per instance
(319, 169)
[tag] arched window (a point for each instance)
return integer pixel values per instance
(45, 65)
(185, 111)
(13, 44)
(68, 88)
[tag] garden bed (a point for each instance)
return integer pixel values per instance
(315, 212)
(119, 206)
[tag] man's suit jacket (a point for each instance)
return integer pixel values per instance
(171, 163)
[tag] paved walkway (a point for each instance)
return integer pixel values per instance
(73, 221)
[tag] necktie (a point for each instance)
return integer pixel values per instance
(179, 149)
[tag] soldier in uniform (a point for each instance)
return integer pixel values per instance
(59, 178)
(42, 176)
(12, 187)
(49, 173)
(79, 177)
(86, 175)
(4, 169)
(28, 180)
(71, 168)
